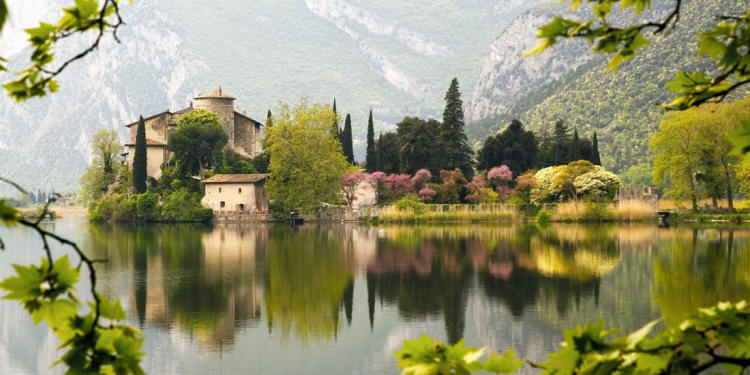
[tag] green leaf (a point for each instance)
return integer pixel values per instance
(636, 337)
(652, 363)
(8, 214)
(563, 362)
(39, 35)
(55, 313)
(24, 287)
(109, 310)
(504, 364)
(3, 14)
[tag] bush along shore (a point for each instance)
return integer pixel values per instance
(409, 210)
(178, 206)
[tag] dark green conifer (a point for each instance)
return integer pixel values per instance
(560, 144)
(371, 158)
(347, 143)
(335, 126)
(595, 159)
(140, 162)
(269, 119)
(456, 152)
(574, 153)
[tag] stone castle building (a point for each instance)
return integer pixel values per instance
(243, 132)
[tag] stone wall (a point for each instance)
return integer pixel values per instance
(332, 213)
(244, 136)
(644, 194)
(255, 218)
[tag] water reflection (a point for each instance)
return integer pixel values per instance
(344, 296)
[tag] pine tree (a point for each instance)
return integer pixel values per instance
(371, 158)
(452, 140)
(335, 126)
(574, 154)
(140, 162)
(595, 159)
(269, 119)
(347, 143)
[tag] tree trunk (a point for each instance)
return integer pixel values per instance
(730, 200)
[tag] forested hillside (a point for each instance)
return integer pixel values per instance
(621, 107)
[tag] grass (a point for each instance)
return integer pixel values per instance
(450, 214)
(584, 211)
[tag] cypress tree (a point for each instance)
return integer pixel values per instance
(595, 159)
(348, 143)
(371, 158)
(575, 148)
(335, 126)
(140, 162)
(269, 119)
(452, 139)
(561, 141)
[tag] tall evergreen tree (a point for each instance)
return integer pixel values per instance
(456, 152)
(574, 154)
(371, 158)
(560, 144)
(514, 147)
(140, 162)
(347, 143)
(335, 126)
(595, 159)
(417, 145)
(269, 119)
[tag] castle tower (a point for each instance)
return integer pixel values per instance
(223, 105)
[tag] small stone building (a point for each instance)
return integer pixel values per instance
(236, 193)
(242, 131)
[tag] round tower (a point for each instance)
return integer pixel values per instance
(223, 105)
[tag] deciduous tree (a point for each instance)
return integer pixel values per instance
(97, 178)
(306, 159)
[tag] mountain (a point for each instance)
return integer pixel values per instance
(571, 84)
(394, 57)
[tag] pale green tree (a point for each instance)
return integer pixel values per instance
(101, 173)
(198, 140)
(306, 158)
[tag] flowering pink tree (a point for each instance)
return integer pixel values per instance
(476, 186)
(351, 182)
(427, 194)
(420, 179)
(398, 185)
(500, 179)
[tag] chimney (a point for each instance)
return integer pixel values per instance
(244, 113)
(191, 104)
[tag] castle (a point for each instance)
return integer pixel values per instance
(243, 132)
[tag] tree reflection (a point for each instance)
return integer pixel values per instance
(698, 268)
(306, 277)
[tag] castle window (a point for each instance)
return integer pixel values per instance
(240, 190)
(222, 204)
(220, 192)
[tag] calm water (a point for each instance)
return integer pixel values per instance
(339, 299)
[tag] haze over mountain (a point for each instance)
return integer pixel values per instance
(394, 57)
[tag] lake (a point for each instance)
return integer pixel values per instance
(341, 298)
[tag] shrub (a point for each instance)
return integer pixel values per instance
(125, 210)
(183, 205)
(543, 216)
(148, 207)
(598, 212)
(410, 203)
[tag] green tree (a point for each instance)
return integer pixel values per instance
(455, 150)
(371, 158)
(347, 142)
(140, 159)
(514, 147)
(387, 148)
(595, 159)
(306, 159)
(416, 142)
(639, 175)
(335, 126)
(574, 152)
(198, 139)
(561, 144)
(97, 178)
(269, 119)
